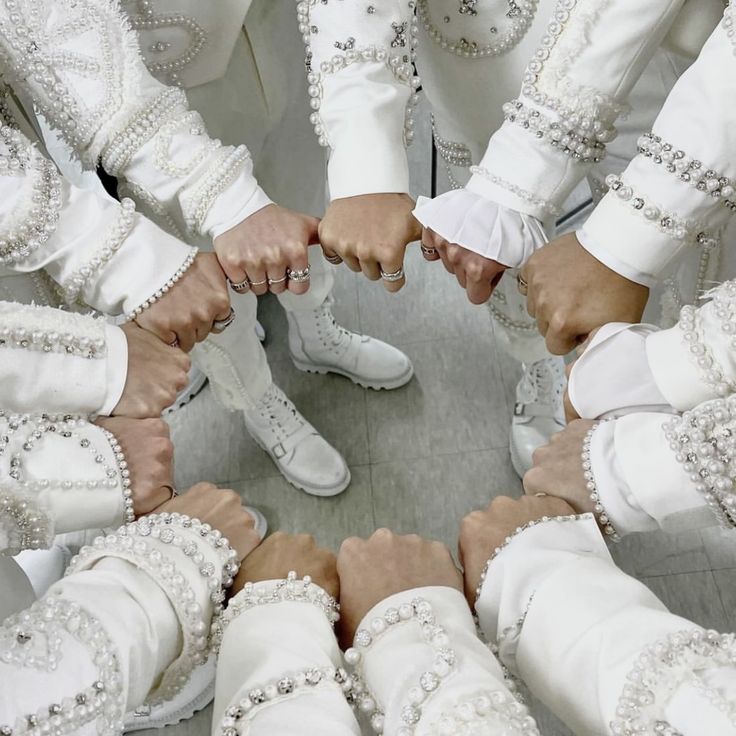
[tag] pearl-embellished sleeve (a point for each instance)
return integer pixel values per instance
(419, 668)
(127, 625)
(679, 191)
(80, 63)
(98, 251)
(574, 88)
(362, 89)
(280, 667)
(596, 645)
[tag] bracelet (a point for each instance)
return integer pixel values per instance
(602, 517)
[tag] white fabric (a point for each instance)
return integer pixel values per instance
(697, 119)
(482, 226)
(117, 368)
(612, 377)
(584, 625)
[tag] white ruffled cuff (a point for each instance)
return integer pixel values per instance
(482, 226)
(117, 368)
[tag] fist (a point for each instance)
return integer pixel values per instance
(150, 457)
(373, 569)
(482, 532)
(281, 553)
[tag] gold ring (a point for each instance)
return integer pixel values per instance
(522, 284)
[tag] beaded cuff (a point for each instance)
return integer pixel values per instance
(488, 712)
(543, 204)
(190, 122)
(661, 669)
(24, 524)
(600, 513)
(703, 441)
(35, 638)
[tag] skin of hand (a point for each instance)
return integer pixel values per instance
(149, 453)
(156, 374)
(265, 245)
(281, 553)
(373, 569)
(570, 293)
(186, 312)
(370, 233)
(479, 276)
(558, 469)
(222, 509)
(482, 532)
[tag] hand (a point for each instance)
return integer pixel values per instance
(570, 293)
(186, 312)
(479, 276)
(373, 569)
(156, 374)
(150, 456)
(266, 246)
(281, 553)
(558, 469)
(370, 233)
(222, 509)
(482, 532)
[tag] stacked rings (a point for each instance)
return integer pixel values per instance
(221, 324)
(334, 260)
(298, 275)
(391, 277)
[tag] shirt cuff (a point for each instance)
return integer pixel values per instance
(117, 368)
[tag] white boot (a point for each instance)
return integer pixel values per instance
(539, 411)
(319, 345)
(302, 455)
(195, 384)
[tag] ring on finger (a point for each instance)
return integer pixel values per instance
(173, 491)
(334, 260)
(298, 275)
(221, 324)
(174, 343)
(427, 250)
(392, 277)
(258, 283)
(271, 282)
(240, 287)
(521, 284)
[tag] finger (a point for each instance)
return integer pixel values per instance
(258, 281)
(460, 276)
(445, 258)
(392, 274)
(298, 273)
(312, 230)
(531, 301)
(533, 481)
(370, 268)
(331, 256)
(276, 279)
(166, 335)
(571, 413)
(187, 338)
(235, 272)
(352, 262)
(560, 342)
(428, 245)
(479, 292)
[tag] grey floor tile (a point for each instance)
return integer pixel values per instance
(720, 546)
(726, 584)
(694, 596)
(430, 496)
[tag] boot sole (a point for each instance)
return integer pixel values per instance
(184, 398)
(365, 383)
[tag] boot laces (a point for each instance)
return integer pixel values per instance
(542, 383)
(331, 333)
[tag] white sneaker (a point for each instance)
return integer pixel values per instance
(539, 411)
(319, 345)
(302, 455)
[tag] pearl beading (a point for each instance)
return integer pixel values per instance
(159, 293)
(520, 14)
(451, 152)
(142, 127)
(169, 71)
(582, 144)
(17, 148)
(52, 341)
(704, 443)
(155, 209)
(221, 174)
(686, 169)
(190, 122)
(661, 669)
(53, 620)
(519, 530)
(685, 231)
(124, 473)
(602, 517)
(420, 612)
(544, 205)
(400, 64)
(724, 305)
(130, 542)
(484, 714)
(24, 523)
(236, 717)
(119, 233)
(711, 372)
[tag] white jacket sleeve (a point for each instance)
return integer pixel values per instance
(280, 667)
(57, 361)
(420, 668)
(679, 190)
(596, 645)
(127, 625)
(65, 475)
(97, 250)
(362, 89)
(80, 63)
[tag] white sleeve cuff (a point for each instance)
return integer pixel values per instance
(117, 368)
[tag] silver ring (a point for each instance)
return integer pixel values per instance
(298, 275)
(174, 492)
(271, 282)
(241, 287)
(221, 324)
(395, 276)
(259, 283)
(334, 260)
(174, 343)
(428, 251)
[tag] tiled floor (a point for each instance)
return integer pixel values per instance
(426, 454)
